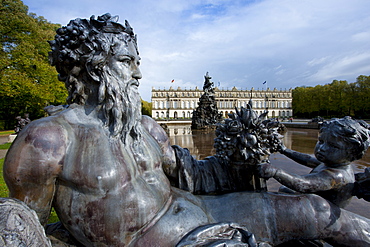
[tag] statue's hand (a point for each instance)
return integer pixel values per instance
(363, 175)
(281, 147)
(362, 185)
(278, 142)
(220, 234)
(266, 170)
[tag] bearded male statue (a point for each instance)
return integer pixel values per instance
(111, 174)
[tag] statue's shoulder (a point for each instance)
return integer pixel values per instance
(52, 110)
(45, 130)
(71, 115)
(154, 129)
(43, 139)
(146, 120)
(51, 129)
(64, 113)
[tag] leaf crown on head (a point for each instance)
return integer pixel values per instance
(81, 38)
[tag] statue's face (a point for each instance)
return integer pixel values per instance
(332, 150)
(124, 64)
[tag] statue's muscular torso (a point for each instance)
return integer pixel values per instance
(105, 190)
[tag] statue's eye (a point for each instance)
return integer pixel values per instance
(334, 145)
(124, 59)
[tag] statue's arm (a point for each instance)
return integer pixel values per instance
(313, 182)
(169, 159)
(32, 165)
(208, 176)
(301, 158)
(308, 183)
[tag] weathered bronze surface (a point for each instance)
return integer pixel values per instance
(111, 174)
(340, 142)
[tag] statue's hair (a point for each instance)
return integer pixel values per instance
(354, 132)
(80, 50)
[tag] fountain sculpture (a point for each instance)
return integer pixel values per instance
(206, 115)
(115, 180)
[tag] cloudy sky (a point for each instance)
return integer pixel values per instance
(241, 43)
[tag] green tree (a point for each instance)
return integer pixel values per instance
(319, 101)
(146, 108)
(336, 99)
(362, 92)
(27, 82)
(323, 93)
(300, 101)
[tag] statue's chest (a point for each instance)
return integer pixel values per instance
(95, 163)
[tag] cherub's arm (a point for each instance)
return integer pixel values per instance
(313, 182)
(32, 165)
(301, 158)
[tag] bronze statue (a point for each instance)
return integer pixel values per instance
(206, 115)
(108, 171)
(21, 122)
(208, 84)
(341, 141)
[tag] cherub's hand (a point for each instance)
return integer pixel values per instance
(281, 147)
(362, 185)
(278, 142)
(266, 170)
(363, 175)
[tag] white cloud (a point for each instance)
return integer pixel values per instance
(289, 43)
(342, 67)
(317, 61)
(361, 37)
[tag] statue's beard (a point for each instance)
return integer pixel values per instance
(121, 107)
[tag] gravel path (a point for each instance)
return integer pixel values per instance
(3, 139)
(3, 153)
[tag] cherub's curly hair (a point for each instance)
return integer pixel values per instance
(354, 132)
(80, 50)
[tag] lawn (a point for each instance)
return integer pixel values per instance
(6, 132)
(5, 145)
(3, 189)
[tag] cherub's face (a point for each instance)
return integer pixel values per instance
(332, 150)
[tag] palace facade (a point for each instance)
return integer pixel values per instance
(179, 103)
